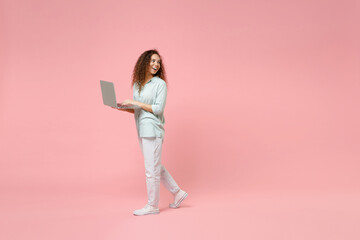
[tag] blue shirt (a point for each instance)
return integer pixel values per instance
(151, 124)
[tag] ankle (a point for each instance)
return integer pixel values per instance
(176, 192)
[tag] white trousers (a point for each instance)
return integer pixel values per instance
(155, 172)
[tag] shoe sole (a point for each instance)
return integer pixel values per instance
(157, 212)
(171, 205)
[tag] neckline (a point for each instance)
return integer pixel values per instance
(150, 80)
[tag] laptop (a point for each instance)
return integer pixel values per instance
(108, 95)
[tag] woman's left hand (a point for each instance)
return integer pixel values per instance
(128, 102)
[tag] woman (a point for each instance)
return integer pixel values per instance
(149, 98)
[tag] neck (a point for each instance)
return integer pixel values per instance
(148, 77)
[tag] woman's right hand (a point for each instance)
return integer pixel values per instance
(123, 109)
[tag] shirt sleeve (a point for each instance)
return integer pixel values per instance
(160, 101)
(134, 91)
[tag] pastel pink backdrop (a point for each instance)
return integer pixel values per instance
(263, 96)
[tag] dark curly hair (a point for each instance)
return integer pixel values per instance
(141, 67)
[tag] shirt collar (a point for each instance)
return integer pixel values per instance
(151, 79)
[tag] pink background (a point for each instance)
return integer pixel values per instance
(262, 119)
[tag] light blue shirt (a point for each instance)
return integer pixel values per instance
(151, 124)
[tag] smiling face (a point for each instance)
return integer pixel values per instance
(154, 65)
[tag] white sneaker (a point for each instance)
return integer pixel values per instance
(146, 210)
(179, 197)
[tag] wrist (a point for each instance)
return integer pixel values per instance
(140, 104)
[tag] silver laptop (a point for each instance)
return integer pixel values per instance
(108, 95)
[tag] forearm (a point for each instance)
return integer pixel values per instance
(128, 110)
(146, 107)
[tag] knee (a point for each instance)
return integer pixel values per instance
(154, 172)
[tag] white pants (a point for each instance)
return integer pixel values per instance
(154, 171)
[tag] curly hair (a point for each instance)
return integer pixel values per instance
(141, 67)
